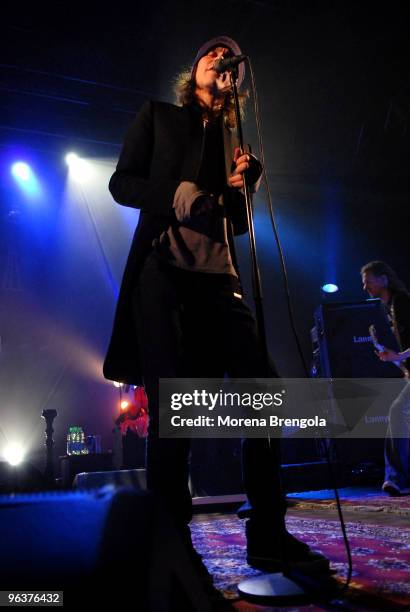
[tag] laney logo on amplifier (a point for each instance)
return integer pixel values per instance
(361, 339)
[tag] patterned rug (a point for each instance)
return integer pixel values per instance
(381, 554)
(353, 499)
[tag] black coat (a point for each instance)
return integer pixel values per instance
(162, 147)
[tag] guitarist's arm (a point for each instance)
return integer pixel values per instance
(390, 355)
(399, 358)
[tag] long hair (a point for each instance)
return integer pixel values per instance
(380, 268)
(185, 85)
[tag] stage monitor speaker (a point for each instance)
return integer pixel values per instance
(133, 479)
(342, 346)
(99, 548)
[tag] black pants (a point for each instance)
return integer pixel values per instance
(191, 325)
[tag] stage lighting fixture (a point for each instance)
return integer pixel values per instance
(118, 384)
(80, 168)
(124, 405)
(330, 288)
(71, 158)
(26, 179)
(21, 171)
(13, 453)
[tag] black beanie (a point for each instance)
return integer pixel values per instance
(221, 41)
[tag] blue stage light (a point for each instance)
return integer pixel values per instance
(21, 171)
(26, 179)
(330, 288)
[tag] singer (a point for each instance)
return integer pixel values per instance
(180, 311)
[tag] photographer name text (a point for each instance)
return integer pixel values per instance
(234, 422)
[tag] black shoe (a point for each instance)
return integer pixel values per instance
(264, 553)
(200, 568)
(216, 600)
(394, 490)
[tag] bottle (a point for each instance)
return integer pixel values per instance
(76, 441)
(71, 440)
(82, 445)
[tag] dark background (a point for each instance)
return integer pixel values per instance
(334, 91)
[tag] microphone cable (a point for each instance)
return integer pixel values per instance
(292, 317)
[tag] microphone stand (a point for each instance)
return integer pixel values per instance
(277, 586)
(256, 279)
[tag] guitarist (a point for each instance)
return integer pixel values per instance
(380, 281)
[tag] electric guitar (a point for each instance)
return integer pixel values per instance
(380, 348)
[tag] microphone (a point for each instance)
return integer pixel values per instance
(228, 63)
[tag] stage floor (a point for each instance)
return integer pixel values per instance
(378, 527)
